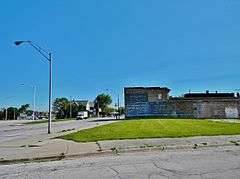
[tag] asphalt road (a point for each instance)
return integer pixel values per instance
(16, 130)
(220, 162)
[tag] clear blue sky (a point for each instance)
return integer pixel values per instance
(181, 44)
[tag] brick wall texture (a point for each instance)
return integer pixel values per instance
(145, 102)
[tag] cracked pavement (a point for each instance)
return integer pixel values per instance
(217, 162)
(26, 141)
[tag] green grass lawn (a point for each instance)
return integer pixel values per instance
(154, 128)
(45, 121)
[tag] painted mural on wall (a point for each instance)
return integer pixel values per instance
(155, 101)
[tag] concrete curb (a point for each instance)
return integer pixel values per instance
(114, 151)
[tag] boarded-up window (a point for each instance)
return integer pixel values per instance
(159, 96)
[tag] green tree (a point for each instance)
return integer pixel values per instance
(12, 113)
(2, 114)
(108, 110)
(29, 112)
(121, 110)
(24, 108)
(61, 107)
(102, 101)
(76, 107)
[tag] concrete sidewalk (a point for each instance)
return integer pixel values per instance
(56, 149)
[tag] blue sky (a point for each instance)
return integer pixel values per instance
(181, 44)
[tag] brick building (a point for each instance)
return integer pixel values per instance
(155, 101)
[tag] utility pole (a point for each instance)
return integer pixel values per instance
(98, 108)
(14, 115)
(118, 107)
(34, 99)
(50, 95)
(6, 110)
(6, 113)
(70, 107)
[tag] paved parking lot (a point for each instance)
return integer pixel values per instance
(17, 130)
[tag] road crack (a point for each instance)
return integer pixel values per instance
(99, 146)
(117, 173)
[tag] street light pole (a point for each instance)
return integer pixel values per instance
(98, 108)
(6, 113)
(48, 56)
(14, 113)
(34, 101)
(50, 95)
(70, 107)
(118, 106)
(6, 110)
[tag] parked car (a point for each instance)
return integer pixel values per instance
(82, 115)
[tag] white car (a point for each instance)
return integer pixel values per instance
(82, 115)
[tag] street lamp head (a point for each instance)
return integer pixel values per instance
(18, 42)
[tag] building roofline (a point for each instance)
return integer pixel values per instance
(149, 88)
(209, 95)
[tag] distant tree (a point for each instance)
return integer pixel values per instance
(24, 108)
(76, 107)
(2, 114)
(61, 107)
(109, 110)
(102, 101)
(12, 113)
(29, 112)
(121, 110)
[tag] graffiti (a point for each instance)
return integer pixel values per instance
(231, 112)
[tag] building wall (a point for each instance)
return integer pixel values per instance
(207, 108)
(166, 108)
(133, 95)
(142, 102)
(145, 101)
